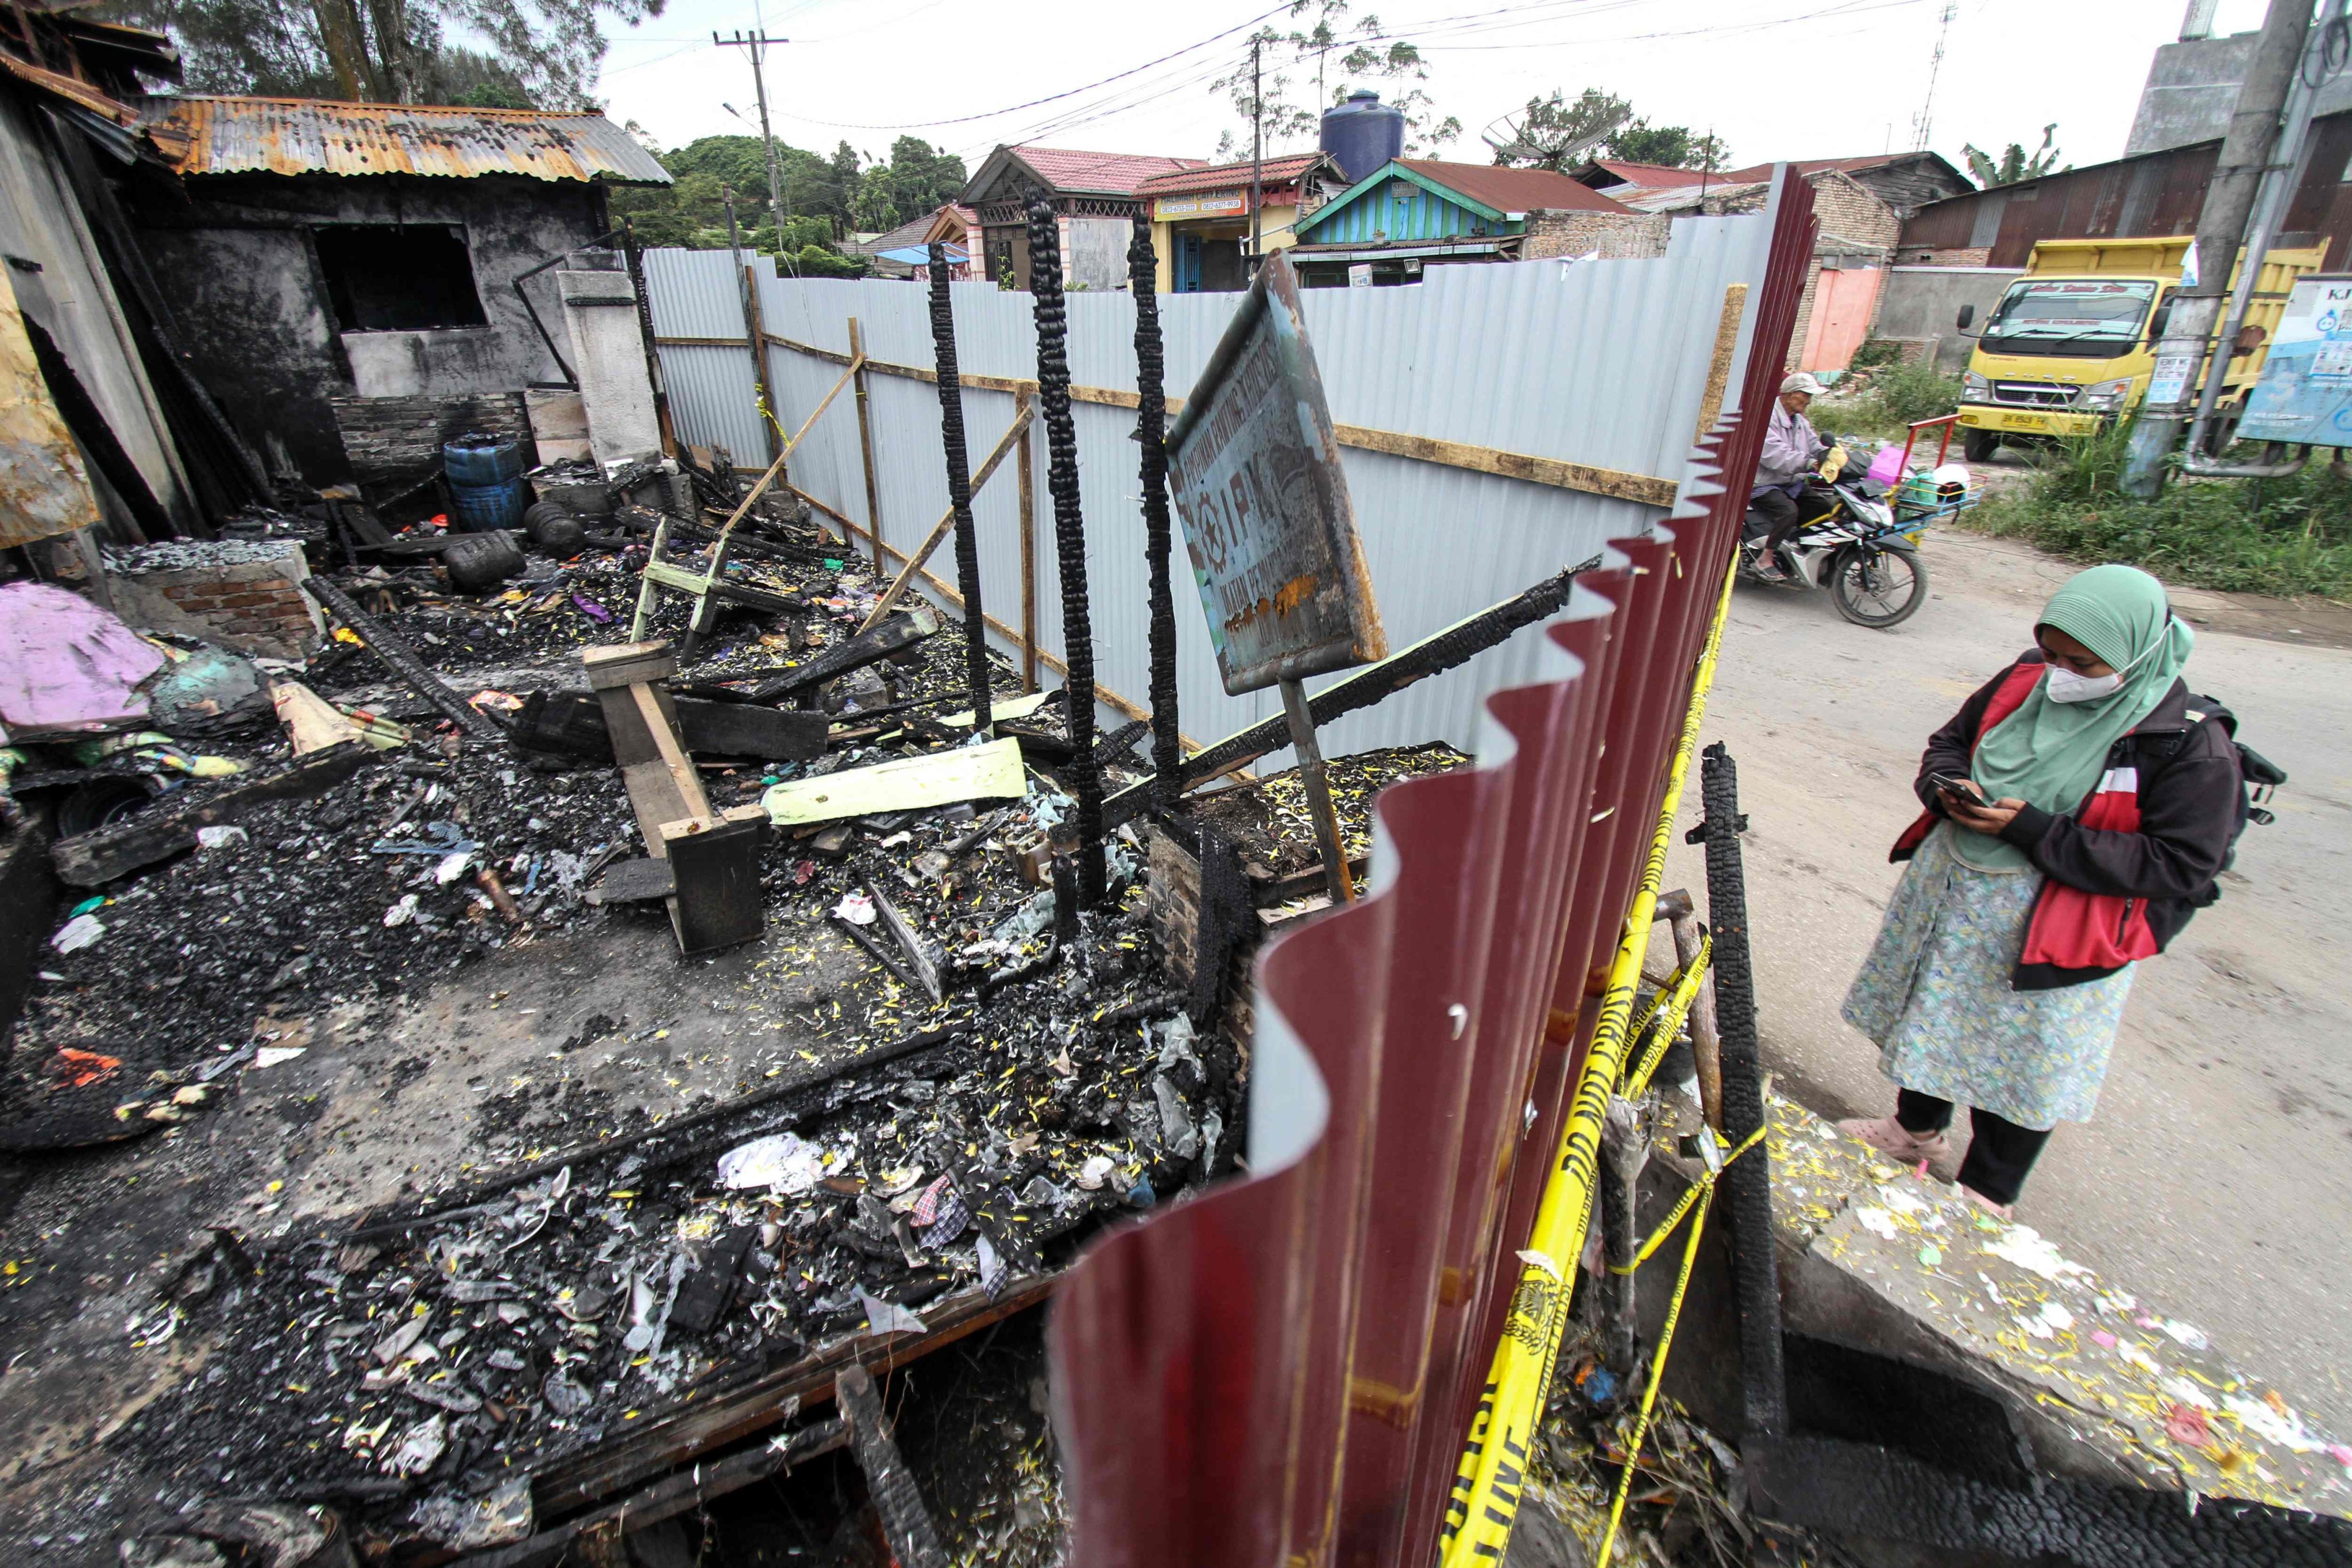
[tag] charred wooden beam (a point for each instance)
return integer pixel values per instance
(91, 859)
(404, 662)
(906, 1525)
(893, 636)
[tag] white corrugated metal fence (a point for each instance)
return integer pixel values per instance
(1599, 363)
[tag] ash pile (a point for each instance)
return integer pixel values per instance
(429, 806)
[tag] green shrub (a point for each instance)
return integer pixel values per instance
(2264, 536)
(1910, 393)
(1877, 351)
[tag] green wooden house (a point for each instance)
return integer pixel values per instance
(1414, 212)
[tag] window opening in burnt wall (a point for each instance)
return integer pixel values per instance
(399, 277)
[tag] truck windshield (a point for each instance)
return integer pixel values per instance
(2092, 317)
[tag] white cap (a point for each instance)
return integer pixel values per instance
(1802, 383)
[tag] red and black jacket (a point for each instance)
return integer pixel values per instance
(2125, 868)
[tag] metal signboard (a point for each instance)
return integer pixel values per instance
(2305, 392)
(1253, 467)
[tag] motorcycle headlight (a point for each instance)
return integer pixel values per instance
(2105, 395)
(1974, 388)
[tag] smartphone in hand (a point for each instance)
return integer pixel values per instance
(1954, 784)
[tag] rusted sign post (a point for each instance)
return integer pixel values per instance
(1270, 528)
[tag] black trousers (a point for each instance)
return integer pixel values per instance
(2000, 1152)
(1781, 508)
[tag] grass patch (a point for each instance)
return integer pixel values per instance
(2261, 536)
(1899, 397)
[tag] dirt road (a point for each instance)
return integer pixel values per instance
(2216, 1179)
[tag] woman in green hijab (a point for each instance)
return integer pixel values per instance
(2077, 809)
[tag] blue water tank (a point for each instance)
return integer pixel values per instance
(479, 458)
(1362, 134)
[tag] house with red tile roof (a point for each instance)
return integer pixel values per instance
(1204, 230)
(1095, 197)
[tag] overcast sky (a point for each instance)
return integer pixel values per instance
(1776, 78)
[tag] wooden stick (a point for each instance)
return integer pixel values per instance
(1706, 1044)
(1318, 793)
(1718, 369)
(1561, 473)
(866, 444)
(939, 533)
(777, 467)
(759, 346)
(1022, 404)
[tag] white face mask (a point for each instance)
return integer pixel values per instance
(2066, 686)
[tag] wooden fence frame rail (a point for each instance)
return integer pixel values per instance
(1617, 484)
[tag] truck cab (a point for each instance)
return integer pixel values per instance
(2069, 348)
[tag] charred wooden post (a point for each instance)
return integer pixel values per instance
(1749, 1180)
(1624, 1149)
(1150, 430)
(967, 540)
(1070, 538)
(906, 1524)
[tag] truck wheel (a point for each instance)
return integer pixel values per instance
(1978, 446)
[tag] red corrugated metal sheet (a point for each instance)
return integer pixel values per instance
(1283, 1372)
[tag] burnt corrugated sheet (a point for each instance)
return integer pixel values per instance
(1283, 1371)
(225, 135)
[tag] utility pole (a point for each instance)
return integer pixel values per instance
(1257, 153)
(2220, 229)
(1922, 126)
(757, 44)
(2270, 210)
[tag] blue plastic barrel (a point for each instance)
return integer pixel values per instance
(486, 486)
(1362, 134)
(479, 458)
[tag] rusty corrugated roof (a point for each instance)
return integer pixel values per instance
(226, 135)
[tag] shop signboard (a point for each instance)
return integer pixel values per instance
(2305, 392)
(1212, 204)
(1254, 466)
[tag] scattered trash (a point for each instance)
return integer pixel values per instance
(77, 934)
(780, 1161)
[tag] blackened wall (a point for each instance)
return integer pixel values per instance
(237, 257)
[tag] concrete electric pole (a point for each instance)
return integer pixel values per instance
(757, 43)
(2220, 229)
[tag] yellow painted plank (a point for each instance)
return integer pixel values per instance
(968, 773)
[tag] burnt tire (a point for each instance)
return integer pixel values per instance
(1879, 585)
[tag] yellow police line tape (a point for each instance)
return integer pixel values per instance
(1669, 1007)
(1699, 1196)
(1484, 1499)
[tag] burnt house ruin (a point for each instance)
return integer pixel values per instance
(347, 273)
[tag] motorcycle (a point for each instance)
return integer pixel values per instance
(1859, 539)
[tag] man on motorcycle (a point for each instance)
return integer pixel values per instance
(1792, 449)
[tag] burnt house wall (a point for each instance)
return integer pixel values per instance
(264, 304)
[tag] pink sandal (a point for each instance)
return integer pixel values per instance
(1997, 1211)
(1897, 1142)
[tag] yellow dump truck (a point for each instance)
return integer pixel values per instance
(2069, 347)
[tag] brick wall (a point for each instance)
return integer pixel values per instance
(1857, 228)
(238, 594)
(1560, 231)
(1927, 256)
(394, 443)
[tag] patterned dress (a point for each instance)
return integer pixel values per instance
(1935, 996)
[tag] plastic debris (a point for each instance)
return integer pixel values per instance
(780, 1161)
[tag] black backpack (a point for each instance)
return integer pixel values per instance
(2258, 779)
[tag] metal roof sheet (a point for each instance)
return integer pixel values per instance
(1279, 171)
(227, 135)
(1512, 190)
